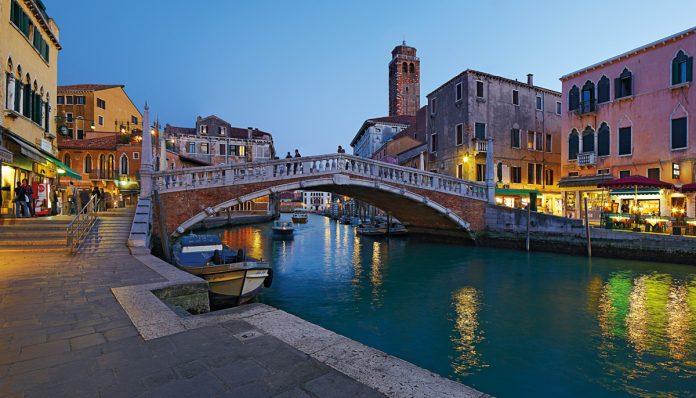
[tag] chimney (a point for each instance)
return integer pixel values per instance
(250, 133)
(530, 79)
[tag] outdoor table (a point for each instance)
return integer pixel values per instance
(620, 220)
(692, 223)
(655, 223)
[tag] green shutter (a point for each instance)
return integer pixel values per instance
(675, 72)
(689, 69)
(617, 88)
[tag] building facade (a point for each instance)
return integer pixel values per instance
(376, 132)
(404, 81)
(630, 115)
(29, 48)
(94, 110)
(215, 141)
(316, 201)
(524, 121)
(405, 142)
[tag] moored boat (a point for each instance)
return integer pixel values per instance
(284, 228)
(299, 216)
(344, 220)
(231, 276)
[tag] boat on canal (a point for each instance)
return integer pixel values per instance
(381, 229)
(283, 228)
(232, 276)
(344, 220)
(299, 216)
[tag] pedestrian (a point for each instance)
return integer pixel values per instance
(20, 201)
(97, 199)
(340, 149)
(54, 200)
(103, 199)
(30, 196)
(287, 165)
(297, 155)
(72, 197)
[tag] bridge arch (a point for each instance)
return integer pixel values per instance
(405, 204)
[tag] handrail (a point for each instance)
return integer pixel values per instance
(292, 168)
(82, 224)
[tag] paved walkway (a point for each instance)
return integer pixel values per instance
(62, 333)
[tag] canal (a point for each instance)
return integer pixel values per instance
(505, 322)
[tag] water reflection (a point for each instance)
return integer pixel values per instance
(467, 333)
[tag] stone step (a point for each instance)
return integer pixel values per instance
(35, 241)
(34, 249)
(10, 228)
(29, 233)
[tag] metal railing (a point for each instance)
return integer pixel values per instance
(323, 165)
(82, 224)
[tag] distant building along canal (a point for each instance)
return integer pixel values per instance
(506, 323)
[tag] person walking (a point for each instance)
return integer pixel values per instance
(97, 200)
(54, 200)
(20, 201)
(29, 192)
(297, 155)
(103, 198)
(340, 149)
(287, 165)
(72, 197)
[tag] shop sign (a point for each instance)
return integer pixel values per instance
(5, 155)
(46, 145)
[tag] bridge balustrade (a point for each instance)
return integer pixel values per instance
(288, 169)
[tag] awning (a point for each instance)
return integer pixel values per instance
(515, 192)
(28, 150)
(643, 191)
(61, 166)
(584, 181)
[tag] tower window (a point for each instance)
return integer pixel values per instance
(412, 68)
(404, 67)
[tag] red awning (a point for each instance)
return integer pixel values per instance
(633, 182)
(688, 187)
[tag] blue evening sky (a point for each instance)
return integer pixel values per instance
(311, 72)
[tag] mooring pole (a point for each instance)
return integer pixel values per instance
(529, 216)
(388, 224)
(587, 228)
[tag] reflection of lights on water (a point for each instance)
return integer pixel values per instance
(376, 275)
(357, 261)
(679, 319)
(466, 334)
(637, 318)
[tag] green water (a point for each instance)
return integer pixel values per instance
(508, 323)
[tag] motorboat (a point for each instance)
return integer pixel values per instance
(369, 230)
(344, 220)
(299, 216)
(231, 276)
(284, 228)
(381, 229)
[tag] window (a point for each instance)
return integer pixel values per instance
(69, 117)
(222, 130)
(79, 100)
(682, 68)
(60, 99)
(530, 173)
(603, 90)
(100, 119)
(603, 140)
(204, 148)
(404, 67)
(573, 98)
(124, 164)
(602, 172)
(458, 92)
(515, 138)
(101, 103)
(549, 177)
(69, 99)
(66, 159)
(573, 174)
(460, 170)
(459, 133)
(136, 155)
(530, 140)
(480, 172)
(548, 143)
(573, 145)
(588, 97)
(623, 85)
(588, 140)
(654, 173)
(203, 129)
(134, 120)
(192, 147)
(516, 174)
(539, 172)
(479, 89)
(679, 135)
(515, 97)
(88, 163)
(558, 107)
(433, 142)
(539, 103)
(80, 134)
(242, 150)
(539, 145)
(480, 131)
(433, 106)
(625, 141)
(412, 68)
(222, 149)
(676, 171)
(624, 173)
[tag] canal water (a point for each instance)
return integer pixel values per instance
(508, 323)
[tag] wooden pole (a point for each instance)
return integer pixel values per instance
(529, 216)
(587, 228)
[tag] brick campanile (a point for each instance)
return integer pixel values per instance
(404, 81)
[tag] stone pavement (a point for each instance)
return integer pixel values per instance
(62, 333)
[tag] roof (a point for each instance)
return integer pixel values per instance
(235, 132)
(418, 126)
(169, 129)
(404, 120)
(39, 10)
(631, 52)
(88, 87)
(495, 77)
(108, 142)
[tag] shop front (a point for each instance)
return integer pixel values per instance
(576, 189)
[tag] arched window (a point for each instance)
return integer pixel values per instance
(404, 67)
(682, 68)
(588, 97)
(603, 90)
(124, 164)
(88, 163)
(573, 98)
(9, 85)
(573, 145)
(588, 140)
(603, 146)
(26, 97)
(110, 166)
(411, 68)
(102, 166)
(66, 159)
(623, 85)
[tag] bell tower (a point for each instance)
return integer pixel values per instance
(404, 81)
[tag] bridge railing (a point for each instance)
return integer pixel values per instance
(288, 169)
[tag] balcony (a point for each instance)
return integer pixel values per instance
(103, 175)
(587, 159)
(481, 146)
(586, 107)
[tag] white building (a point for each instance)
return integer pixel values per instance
(375, 132)
(316, 201)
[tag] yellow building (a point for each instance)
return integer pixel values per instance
(29, 48)
(88, 111)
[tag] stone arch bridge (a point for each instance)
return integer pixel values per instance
(424, 201)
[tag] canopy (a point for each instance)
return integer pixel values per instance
(634, 181)
(61, 166)
(688, 187)
(515, 192)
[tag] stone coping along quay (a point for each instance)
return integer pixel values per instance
(89, 325)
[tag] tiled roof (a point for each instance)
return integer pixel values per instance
(169, 129)
(108, 142)
(87, 87)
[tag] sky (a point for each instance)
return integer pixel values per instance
(310, 72)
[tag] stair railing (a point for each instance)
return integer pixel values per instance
(82, 224)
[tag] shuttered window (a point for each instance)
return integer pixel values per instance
(530, 173)
(573, 145)
(480, 131)
(625, 141)
(459, 133)
(573, 98)
(679, 133)
(682, 68)
(603, 147)
(623, 85)
(588, 140)
(603, 90)
(515, 138)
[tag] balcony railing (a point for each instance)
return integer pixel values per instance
(587, 107)
(587, 158)
(481, 146)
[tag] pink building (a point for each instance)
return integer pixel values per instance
(629, 115)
